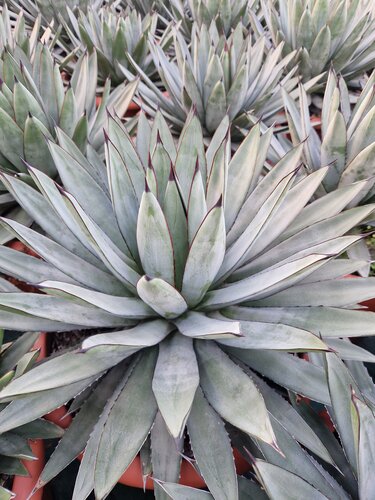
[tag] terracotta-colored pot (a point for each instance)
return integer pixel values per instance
(23, 486)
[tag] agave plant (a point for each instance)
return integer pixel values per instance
(218, 75)
(200, 271)
(16, 359)
(346, 142)
(33, 100)
(227, 14)
(337, 33)
(51, 10)
(112, 36)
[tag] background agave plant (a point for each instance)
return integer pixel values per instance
(112, 36)
(16, 359)
(34, 100)
(227, 14)
(218, 75)
(51, 10)
(326, 32)
(202, 273)
(346, 141)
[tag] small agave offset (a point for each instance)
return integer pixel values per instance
(200, 271)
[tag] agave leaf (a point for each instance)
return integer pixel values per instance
(214, 456)
(13, 466)
(85, 478)
(283, 485)
(364, 429)
(329, 322)
(292, 421)
(12, 445)
(127, 426)
(320, 49)
(36, 150)
(264, 283)
(128, 307)
(331, 293)
(63, 259)
(333, 150)
(165, 456)
(216, 107)
(240, 174)
(348, 351)
(232, 393)
(180, 492)
(175, 216)
(273, 336)
(340, 385)
(76, 436)
(199, 326)
(161, 296)
(217, 176)
(12, 355)
(288, 371)
(83, 187)
(175, 381)
(11, 141)
(197, 205)
(67, 369)
(40, 429)
(299, 462)
(154, 240)
(205, 256)
(143, 335)
(31, 406)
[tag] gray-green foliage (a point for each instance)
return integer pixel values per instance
(337, 33)
(16, 359)
(201, 271)
(112, 36)
(218, 75)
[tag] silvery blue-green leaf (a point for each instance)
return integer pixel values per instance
(340, 385)
(181, 492)
(292, 421)
(162, 166)
(320, 49)
(122, 266)
(64, 260)
(76, 436)
(59, 309)
(36, 150)
(232, 393)
(11, 141)
(127, 426)
(364, 430)
(128, 307)
(31, 406)
(332, 293)
(166, 456)
(13, 354)
(200, 326)
(299, 462)
(329, 322)
(175, 216)
(240, 174)
(143, 335)
(257, 335)
(175, 381)
(216, 107)
(333, 151)
(89, 194)
(283, 485)
(154, 240)
(124, 196)
(197, 205)
(66, 369)
(288, 371)
(264, 283)
(205, 257)
(346, 350)
(217, 176)
(84, 483)
(214, 457)
(161, 296)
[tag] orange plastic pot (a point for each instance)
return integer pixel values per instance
(23, 486)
